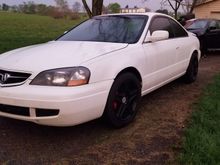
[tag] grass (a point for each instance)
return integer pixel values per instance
(18, 30)
(202, 142)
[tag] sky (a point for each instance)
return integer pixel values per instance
(151, 4)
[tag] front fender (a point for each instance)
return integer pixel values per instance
(107, 67)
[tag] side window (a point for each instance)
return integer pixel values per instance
(213, 24)
(161, 23)
(177, 29)
(218, 24)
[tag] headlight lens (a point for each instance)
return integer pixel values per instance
(63, 77)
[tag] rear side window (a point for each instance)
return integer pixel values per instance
(215, 24)
(218, 24)
(161, 23)
(177, 29)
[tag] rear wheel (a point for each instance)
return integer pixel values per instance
(192, 70)
(124, 96)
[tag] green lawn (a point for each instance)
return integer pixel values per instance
(18, 30)
(202, 142)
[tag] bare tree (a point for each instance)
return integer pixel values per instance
(62, 5)
(186, 5)
(76, 7)
(96, 7)
(143, 1)
(189, 5)
(175, 5)
(62, 9)
(193, 5)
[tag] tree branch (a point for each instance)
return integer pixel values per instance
(178, 5)
(193, 5)
(87, 8)
(171, 5)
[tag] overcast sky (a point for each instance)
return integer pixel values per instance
(151, 4)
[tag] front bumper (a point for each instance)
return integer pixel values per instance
(75, 104)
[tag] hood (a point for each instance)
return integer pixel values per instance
(198, 32)
(55, 54)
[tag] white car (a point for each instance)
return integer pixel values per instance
(101, 67)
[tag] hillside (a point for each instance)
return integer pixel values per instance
(18, 30)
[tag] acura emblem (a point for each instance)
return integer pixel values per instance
(4, 77)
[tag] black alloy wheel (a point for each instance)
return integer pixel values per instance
(124, 96)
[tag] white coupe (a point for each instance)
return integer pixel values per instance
(101, 67)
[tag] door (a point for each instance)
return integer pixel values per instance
(213, 36)
(160, 56)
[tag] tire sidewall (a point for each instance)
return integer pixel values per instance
(190, 76)
(109, 113)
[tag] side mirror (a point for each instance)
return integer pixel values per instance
(158, 35)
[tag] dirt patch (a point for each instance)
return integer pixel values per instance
(154, 137)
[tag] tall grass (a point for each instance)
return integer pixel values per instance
(18, 30)
(202, 141)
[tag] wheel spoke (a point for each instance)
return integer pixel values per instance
(134, 92)
(132, 95)
(126, 107)
(118, 99)
(121, 111)
(126, 88)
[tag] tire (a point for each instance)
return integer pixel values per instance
(192, 70)
(121, 107)
(203, 48)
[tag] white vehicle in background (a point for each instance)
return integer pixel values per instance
(101, 67)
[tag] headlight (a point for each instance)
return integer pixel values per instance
(63, 77)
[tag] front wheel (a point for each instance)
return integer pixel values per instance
(124, 96)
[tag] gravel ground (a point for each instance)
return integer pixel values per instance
(153, 138)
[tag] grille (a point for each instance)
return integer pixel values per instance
(15, 110)
(46, 112)
(25, 111)
(12, 78)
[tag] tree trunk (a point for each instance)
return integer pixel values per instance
(87, 8)
(193, 6)
(97, 7)
(176, 7)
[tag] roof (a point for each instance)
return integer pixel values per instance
(133, 8)
(149, 14)
(202, 2)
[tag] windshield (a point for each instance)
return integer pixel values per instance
(198, 24)
(115, 28)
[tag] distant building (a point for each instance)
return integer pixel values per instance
(134, 10)
(207, 9)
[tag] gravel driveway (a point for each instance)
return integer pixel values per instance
(154, 137)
